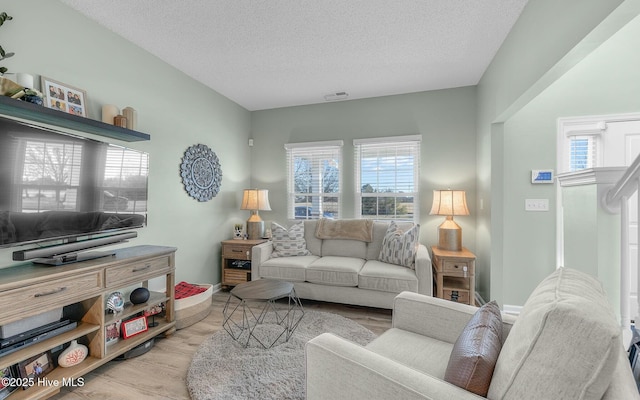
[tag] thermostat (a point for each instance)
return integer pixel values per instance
(542, 176)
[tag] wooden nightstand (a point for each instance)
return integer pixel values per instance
(236, 261)
(455, 275)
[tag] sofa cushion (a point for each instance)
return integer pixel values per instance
(476, 351)
(377, 275)
(398, 246)
(288, 242)
(314, 245)
(336, 271)
(291, 269)
(564, 343)
(344, 248)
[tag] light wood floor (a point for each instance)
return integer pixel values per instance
(161, 373)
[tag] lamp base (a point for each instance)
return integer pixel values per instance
(255, 226)
(449, 236)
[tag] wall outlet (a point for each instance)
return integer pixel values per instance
(536, 205)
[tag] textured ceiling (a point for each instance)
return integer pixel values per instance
(277, 53)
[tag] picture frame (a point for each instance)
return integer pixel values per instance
(36, 366)
(62, 97)
(7, 375)
(112, 332)
(134, 326)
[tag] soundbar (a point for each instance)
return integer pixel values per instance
(71, 252)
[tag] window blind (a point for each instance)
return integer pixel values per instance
(125, 180)
(583, 152)
(314, 183)
(387, 178)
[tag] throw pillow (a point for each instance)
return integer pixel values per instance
(288, 242)
(476, 351)
(400, 247)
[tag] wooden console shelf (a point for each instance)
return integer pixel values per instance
(89, 283)
(30, 113)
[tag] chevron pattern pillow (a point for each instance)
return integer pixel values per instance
(288, 242)
(400, 247)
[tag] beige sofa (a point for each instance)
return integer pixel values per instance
(345, 271)
(565, 344)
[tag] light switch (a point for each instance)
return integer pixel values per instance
(536, 205)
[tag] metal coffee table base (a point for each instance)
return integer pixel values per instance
(241, 317)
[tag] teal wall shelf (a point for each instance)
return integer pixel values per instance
(34, 113)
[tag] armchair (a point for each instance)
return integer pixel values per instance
(565, 344)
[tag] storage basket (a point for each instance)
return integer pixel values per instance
(192, 309)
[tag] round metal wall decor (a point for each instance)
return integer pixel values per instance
(201, 172)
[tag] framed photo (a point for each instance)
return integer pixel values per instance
(134, 327)
(7, 384)
(36, 366)
(112, 332)
(60, 96)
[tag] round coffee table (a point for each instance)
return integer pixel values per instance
(250, 303)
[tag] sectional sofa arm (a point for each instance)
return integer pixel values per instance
(424, 271)
(339, 369)
(259, 254)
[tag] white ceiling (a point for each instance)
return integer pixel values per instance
(277, 53)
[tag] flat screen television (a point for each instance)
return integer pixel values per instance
(57, 188)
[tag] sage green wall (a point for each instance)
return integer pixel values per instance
(174, 109)
(543, 71)
(607, 81)
(445, 119)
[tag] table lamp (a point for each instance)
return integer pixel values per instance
(255, 200)
(449, 203)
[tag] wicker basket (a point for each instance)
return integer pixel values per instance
(193, 308)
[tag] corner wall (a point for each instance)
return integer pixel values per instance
(547, 42)
(444, 118)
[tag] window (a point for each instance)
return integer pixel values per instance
(582, 152)
(580, 144)
(58, 175)
(50, 175)
(314, 183)
(125, 180)
(387, 178)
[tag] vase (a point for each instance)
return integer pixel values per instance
(73, 355)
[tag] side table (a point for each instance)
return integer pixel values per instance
(236, 261)
(455, 275)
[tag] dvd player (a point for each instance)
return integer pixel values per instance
(17, 342)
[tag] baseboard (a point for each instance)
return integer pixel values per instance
(217, 287)
(512, 310)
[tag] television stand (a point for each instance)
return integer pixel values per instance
(86, 286)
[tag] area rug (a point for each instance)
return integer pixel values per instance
(223, 369)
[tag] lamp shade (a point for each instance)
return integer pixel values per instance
(255, 199)
(449, 202)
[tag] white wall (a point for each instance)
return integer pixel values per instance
(53, 40)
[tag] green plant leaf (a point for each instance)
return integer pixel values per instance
(2, 52)
(3, 70)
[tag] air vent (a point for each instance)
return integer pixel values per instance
(336, 96)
